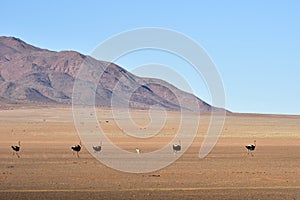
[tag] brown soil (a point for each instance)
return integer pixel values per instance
(47, 169)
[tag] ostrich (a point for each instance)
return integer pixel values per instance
(138, 151)
(177, 147)
(16, 149)
(76, 148)
(97, 148)
(251, 147)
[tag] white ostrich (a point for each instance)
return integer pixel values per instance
(137, 150)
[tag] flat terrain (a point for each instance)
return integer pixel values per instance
(48, 169)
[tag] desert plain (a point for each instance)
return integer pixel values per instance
(47, 168)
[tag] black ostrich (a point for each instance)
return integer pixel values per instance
(16, 149)
(251, 147)
(177, 147)
(76, 148)
(97, 148)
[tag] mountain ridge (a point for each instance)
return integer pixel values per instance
(29, 74)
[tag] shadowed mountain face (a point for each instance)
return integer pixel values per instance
(30, 75)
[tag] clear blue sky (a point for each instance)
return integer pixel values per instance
(254, 44)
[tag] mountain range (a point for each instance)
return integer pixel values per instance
(33, 76)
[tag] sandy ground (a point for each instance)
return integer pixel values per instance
(47, 168)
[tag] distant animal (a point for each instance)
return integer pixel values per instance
(251, 147)
(16, 149)
(76, 148)
(137, 150)
(97, 148)
(177, 147)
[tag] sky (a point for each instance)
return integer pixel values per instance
(255, 45)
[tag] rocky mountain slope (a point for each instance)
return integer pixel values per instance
(30, 75)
